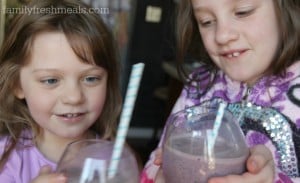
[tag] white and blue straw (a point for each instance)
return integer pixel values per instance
(212, 135)
(130, 97)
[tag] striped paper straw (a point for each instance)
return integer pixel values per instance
(131, 94)
(212, 135)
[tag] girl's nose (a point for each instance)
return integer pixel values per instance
(226, 32)
(73, 94)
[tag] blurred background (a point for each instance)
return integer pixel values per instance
(144, 30)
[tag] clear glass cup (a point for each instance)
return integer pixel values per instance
(87, 161)
(188, 153)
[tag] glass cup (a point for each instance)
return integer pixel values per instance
(87, 161)
(190, 155)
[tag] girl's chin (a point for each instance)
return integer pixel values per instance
(238, 77)
(243, 79)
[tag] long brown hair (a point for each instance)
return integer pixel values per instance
(89, 38)
(288, 16)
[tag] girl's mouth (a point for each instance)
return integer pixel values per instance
(70, 115)
(234, 54)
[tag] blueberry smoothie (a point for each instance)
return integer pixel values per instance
(186, 161)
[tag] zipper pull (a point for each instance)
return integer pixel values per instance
(245, 98)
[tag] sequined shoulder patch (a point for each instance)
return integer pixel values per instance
(278, 129)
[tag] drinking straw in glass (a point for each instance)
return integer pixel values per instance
(130, 97)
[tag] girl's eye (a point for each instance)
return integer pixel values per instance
(206, 23)
(50, 81)
(244, 13)
(92, 79)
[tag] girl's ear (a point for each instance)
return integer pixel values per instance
(18, 92)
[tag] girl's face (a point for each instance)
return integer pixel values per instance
(64, 95)
(241, 36)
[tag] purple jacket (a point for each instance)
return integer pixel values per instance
(273, 98)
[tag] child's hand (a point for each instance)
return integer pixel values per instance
(260, 166)
(47, 176)
(158, 161)
(158, 157)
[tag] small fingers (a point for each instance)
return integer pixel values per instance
(158, 157)
(264, 176)
(228, 179)
(260, 156)
(45, 170)
(46, 175)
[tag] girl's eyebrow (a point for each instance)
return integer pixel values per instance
(44, 69)
(199, 8)
(57, 70)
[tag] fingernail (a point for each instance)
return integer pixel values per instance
(61, 177)
(253, 165)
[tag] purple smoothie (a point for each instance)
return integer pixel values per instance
(186, 162)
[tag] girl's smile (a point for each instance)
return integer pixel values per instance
(64, 94)
(232, 39)
(71, 117)
(232, 54)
